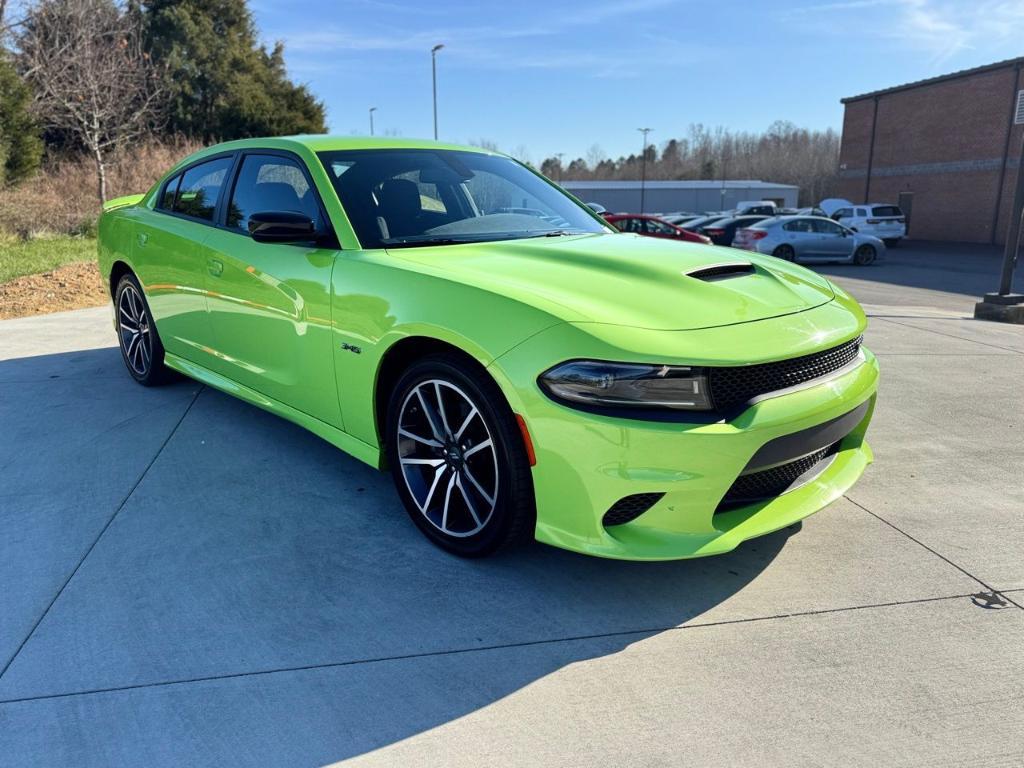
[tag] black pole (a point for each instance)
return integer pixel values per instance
(643, 168)
(1013, 236)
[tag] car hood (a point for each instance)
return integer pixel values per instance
(625, 279)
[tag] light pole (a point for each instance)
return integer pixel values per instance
(433, 72)
(372, 110)
(643, 167)
(559, 155)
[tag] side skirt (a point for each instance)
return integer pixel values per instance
(336, 437)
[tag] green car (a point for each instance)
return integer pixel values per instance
(522, 369)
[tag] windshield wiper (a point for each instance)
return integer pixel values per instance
(561, 233)
(418, 243)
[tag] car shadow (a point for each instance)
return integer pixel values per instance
(253, 562)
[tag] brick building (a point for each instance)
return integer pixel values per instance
(945, 149)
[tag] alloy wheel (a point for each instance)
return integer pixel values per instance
(134, 330)
(448, 458)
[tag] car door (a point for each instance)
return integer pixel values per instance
(270, 303)
(832, 240)
(168, 256)
(799, 235)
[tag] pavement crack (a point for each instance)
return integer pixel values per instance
(103, 530)
(938, 554)
(483, 648)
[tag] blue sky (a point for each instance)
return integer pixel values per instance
(539, 78)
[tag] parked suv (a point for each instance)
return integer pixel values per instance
(886, 222)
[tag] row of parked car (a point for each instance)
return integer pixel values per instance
(848, 233)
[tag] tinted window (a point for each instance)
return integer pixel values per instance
(167, 201)
(862, 212)
(826, 227)
(659, 227)
(843, 213)
(270, 183)
(200, 188)
(886, 210)
(799, 225)
(404, 197)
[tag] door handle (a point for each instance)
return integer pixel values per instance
(215, 267)
(143, 238)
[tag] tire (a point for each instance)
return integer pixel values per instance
(864, 255)
(141, 348)
(462, 472)
(785, 252)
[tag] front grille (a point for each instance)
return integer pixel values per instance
(772, 482)
(630, 508)
(733, 386)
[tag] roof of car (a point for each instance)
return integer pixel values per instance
(326, 143)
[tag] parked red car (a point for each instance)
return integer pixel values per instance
(652, 226)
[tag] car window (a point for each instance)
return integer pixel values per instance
(886, 210)
(200, 187)
(862, 212)
(630, 225)
(409, 197)
(270, 183)
(843, 213)
(826, 227)
(659, 227)
(799, 225)
(170, 190)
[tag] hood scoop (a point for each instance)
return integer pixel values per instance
(714, 272)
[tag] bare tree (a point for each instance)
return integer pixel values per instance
(91, 78)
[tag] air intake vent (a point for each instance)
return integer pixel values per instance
(721, 271)
(1018, 116)
(630, 508)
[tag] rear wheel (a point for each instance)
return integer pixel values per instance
(141, 349)
(458, 459)
(784, 252)
(864, 255)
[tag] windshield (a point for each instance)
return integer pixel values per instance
(409, 197)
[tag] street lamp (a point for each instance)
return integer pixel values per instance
(560, 155)
(372, 110)
(433, 71)
(643, 167)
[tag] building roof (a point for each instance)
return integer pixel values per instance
(1017, 62)
(683, 184)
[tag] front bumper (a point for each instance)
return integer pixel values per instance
(587, 462)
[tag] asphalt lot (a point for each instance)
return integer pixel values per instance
(187, 580)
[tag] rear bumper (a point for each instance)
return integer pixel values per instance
(586, 463)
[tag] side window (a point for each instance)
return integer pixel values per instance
(825, 227)
(862, 212)
(200, 187)
(800, 225)
(843, 213)
(653, 225)
(170, 190)
(270, 183)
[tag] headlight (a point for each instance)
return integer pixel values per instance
(627, 385)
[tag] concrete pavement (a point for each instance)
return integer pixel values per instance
(188, 580)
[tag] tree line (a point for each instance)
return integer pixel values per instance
(784, 153)
(89, 76)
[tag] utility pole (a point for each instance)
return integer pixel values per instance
(1005, 305)
(560, 155)
(643, 167)
(372, 110)
(433, 71)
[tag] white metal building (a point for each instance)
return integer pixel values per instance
(667, 196)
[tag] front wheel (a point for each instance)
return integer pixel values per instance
(864, 255)
(458, 458)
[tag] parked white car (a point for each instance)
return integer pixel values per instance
(886, 222)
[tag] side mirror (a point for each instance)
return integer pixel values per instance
(282, 227)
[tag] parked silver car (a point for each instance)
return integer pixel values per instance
(809, 238)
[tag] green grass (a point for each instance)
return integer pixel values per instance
(30, 257)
